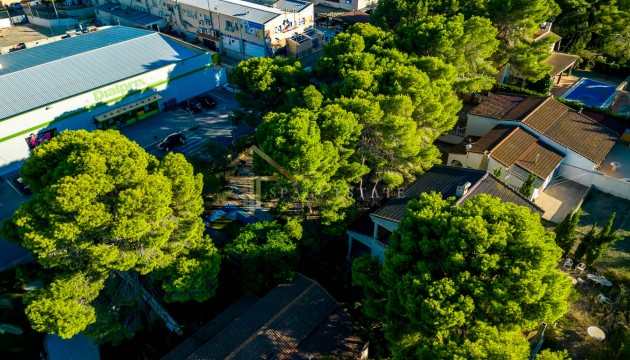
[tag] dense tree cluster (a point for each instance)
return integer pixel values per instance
(101, 207)
(602, 26)
(514, 25)
(371, 119)
(464, 281)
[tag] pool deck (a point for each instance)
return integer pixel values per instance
(565, 84)
(620, 153)
(568, 81)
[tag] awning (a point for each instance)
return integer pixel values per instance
(127, 108)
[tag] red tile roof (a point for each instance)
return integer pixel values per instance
(525, 150)
(554, 120)
(506, 107)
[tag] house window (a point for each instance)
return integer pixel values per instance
(348, 1)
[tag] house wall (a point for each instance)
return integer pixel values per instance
(611, 185)
(480, 126)
(51, 22)
(178, 81)
(508, 177)
(471, 160)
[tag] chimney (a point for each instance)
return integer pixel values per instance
(580, 110)
(462, 190)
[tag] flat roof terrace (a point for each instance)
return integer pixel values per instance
(617, 162)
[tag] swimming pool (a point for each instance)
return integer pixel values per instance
(591, 92)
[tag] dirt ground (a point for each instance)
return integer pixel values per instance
(597, 208)
(27, 33)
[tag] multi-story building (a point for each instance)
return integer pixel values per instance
(237, 28)
(243, 29)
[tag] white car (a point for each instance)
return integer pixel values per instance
(229, 88)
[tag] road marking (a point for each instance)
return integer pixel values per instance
(218, 97)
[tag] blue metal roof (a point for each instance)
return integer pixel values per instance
(129, 14)
(45, 74)
(248, 11)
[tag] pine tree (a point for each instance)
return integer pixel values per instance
(498, 172)
(585, 244)
(601, 241)
(528, 186)
(566, 231)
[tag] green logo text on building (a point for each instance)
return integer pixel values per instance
(118, 89)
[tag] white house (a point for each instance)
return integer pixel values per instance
(533, 135)
(370, 233)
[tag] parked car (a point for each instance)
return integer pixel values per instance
(191, 105)
(230, 88)
(207, 101)
(23, 187)
(172, 141)
(16, 6)
(20, 46)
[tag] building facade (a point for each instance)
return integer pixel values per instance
(106, 79)
(242, 29)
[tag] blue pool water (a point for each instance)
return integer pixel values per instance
(591, 92)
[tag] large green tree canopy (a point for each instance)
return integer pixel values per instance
(515, 22)
(599, 25)
(464, 280)
(103, 205)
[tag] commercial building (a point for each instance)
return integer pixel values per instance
(106, 79)
(243, 29)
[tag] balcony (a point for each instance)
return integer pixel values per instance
(213, 35)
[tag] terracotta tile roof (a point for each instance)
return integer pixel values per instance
(552, 119)
(491, 139)
(572, 130)
(541, 118)
(525, 150)
(560, 62)
(506, 107)
(583, 135)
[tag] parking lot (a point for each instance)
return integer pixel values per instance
(209, 125)
(31, 35)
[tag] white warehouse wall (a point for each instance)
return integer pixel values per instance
(15, 150)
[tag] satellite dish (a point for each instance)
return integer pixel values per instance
(468, 146)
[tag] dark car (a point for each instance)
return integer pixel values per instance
(23, 187)
(20, 46)
(191, 105)
(207, 101)
(172, 141)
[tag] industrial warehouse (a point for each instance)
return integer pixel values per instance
(105, 79)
